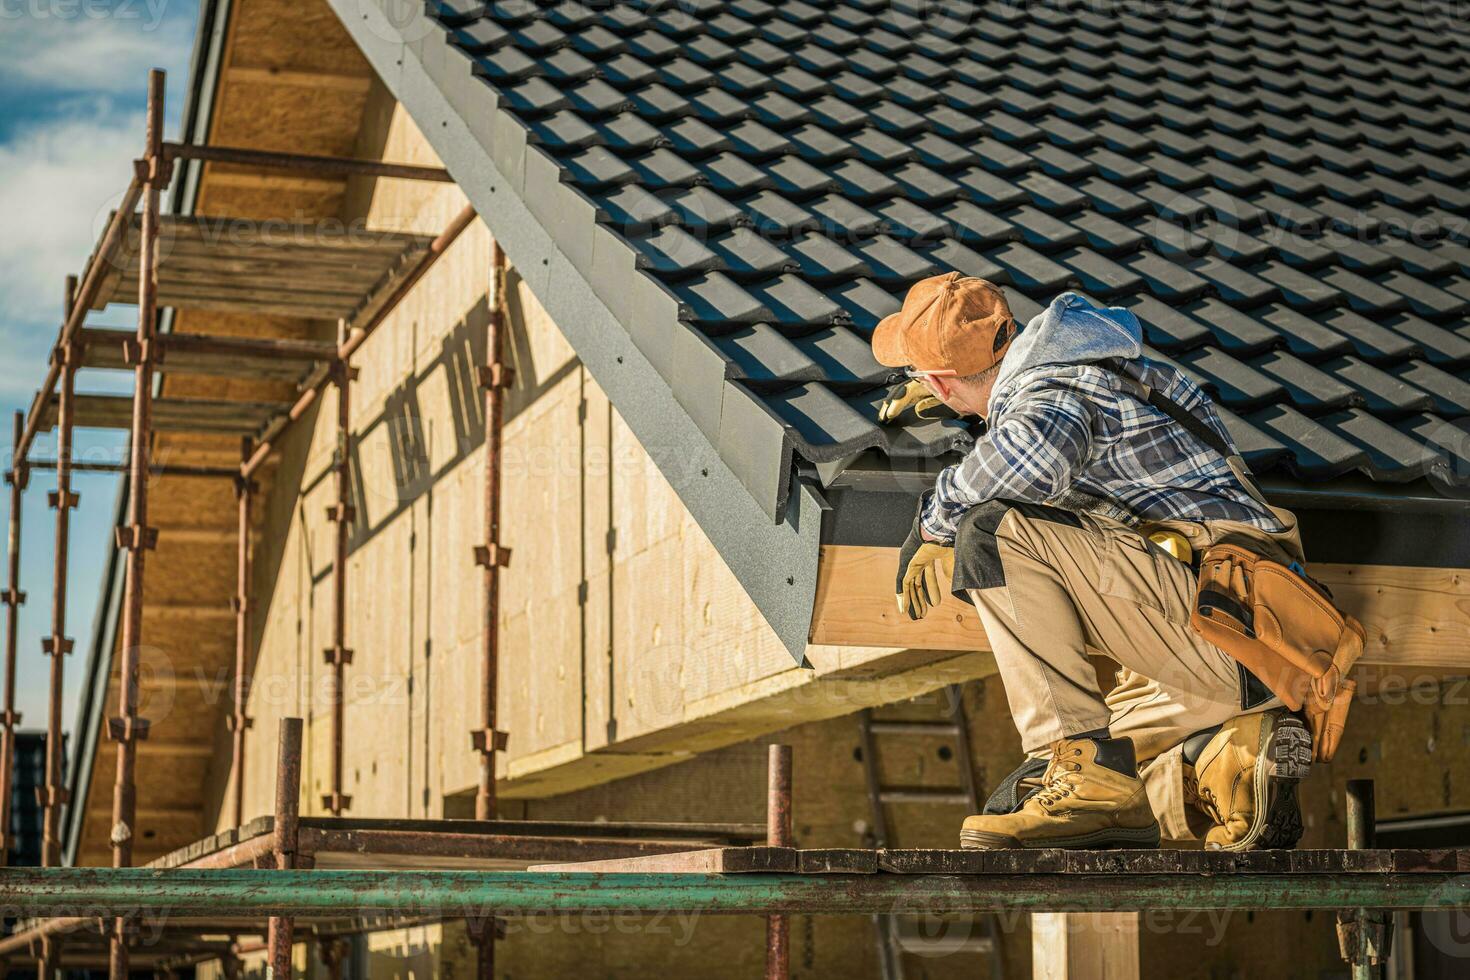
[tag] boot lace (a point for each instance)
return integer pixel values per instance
(1201, 796)
(1057, 783)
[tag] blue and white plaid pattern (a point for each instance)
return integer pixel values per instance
(1075, 438)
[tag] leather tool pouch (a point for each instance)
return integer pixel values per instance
(1285, 629)
(1267, 613)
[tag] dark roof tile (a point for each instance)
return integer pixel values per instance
(1391, 455)
(1315, 452)
(1279, 197)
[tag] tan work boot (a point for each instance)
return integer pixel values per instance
(1091, 797)
(1245, 781)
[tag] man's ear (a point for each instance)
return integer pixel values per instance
(941, 386)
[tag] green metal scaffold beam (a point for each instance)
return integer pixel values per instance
(130, 892)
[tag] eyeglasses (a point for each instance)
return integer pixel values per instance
(917, 375)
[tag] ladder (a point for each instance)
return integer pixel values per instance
(893, 930)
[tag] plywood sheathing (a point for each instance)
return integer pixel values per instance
(1413, 616)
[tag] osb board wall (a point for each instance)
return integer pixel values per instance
(292, 81)
(661, 640)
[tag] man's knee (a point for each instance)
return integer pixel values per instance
(978, 537)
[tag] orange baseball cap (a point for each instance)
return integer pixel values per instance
(950, 324)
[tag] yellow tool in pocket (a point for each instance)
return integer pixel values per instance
(1175, 544)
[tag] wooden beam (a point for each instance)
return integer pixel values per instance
(302, 78)
(175, 750)
(1414, 616)
(1077, 946)
(190, 610)
(1418, 616)
(276, 182)
(711, 860)
(159, 813)
(855, 606)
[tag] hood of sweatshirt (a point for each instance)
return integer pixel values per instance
(1069, 332)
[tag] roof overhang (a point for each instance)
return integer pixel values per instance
(485, 151)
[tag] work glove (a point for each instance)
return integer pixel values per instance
(912, 395)
(920, 562)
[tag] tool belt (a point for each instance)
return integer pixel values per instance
(1284, 628)
(1256, 602)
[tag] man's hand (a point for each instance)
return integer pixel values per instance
(911, 395)
(920, 562)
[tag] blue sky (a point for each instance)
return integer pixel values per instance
(73, 74)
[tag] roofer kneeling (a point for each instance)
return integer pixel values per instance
(1105, 510)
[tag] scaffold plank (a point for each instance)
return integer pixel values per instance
(713, 860)
(322, 269)
(169, 414)
(335, 841)
(221, 356)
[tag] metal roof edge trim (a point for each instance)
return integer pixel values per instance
(776, 563)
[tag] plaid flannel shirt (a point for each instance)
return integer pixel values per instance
(1075, 438)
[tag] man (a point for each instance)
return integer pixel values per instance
(1047, 525)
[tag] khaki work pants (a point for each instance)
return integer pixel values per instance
(1053, 587)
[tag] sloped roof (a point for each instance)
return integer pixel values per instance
(1277, 189)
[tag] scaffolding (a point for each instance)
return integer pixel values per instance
(334, 875)
(213, 263)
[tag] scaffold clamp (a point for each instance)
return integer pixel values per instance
(59, 499)
(52, 796)
(130, 536)
(52, 645)
(489, 740)
(337, 655)
(496, 375)
(492, 556)
(127, 729)
(1364, 936)
(342, 512)
(141, 353)
(336, 802)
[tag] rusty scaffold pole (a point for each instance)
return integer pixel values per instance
(778, 834)
(342, 513)
(281, 928)
(1364, 935)
(58, 645)
(136, 537)
(239, 721)
(17, 477)
(494, 377)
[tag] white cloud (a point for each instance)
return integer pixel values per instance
(62, 179)
(83, 64)
(88, 46)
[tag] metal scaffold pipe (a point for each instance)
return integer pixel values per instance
(494, 378)
(137, 537)
(463, 894)
(342, 513)
(492, 556)
(778, 834)
(58, 645)
(17, 477)
(281, 929)
(239, 721)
